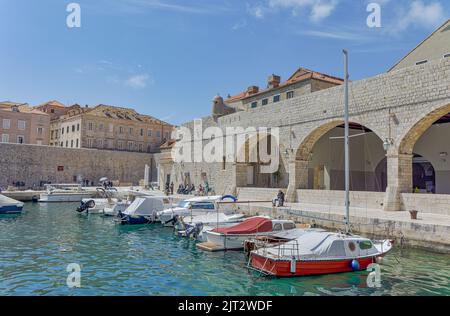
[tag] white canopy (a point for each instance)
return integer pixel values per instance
(145, 206)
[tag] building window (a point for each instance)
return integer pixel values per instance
(6, 123)
(78, 127)
(421, 62)
(71, 143)
(149, 148)
(73, 128)
(62, 131)
(130, 146)
(289, 94)
(224, 163)
(40, 131)
(51, 135)
(120, 130)
(100, 143)
(141, 147)
(131, 131)
(62, 144)
(158, 134)
(67, 143)
(21, 125)
(5, 138)
(167, 135)
(91, 126)
(111, 128)
(77, 143)
(149, 133)
(142, 132)
(120, 145)
(52, 111)
(20, 139)
(90, 143)
(254, 105)
(276, 98)
(265, 101)
(100, 127)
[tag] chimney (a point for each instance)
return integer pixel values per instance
(252, 90)
(273, 81)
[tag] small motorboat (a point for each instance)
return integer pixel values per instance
(318, 252)
(193, 226)
(10, 206)
(142, 210)
(233, 238)
(64, 193)
(193, 207)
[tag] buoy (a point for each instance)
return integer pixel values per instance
(355, 265)
(293, 265)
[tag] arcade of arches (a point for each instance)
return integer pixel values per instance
(319, 161)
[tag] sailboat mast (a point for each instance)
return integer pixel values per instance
(347, 147)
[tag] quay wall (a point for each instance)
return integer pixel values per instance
(32, 164)
(426, 203)
(432, 237)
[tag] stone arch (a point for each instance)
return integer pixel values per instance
(305, 148)
(251, 150)
(411, 137)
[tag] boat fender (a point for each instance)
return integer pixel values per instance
(293, 265)
(355, 265)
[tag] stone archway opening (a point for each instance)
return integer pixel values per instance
(324, 152)
(258, 170)
(424, 176)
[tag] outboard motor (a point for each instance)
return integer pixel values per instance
(84, 207)
(174, 220)
(194, 231)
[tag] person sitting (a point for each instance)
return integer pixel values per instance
(278, 201)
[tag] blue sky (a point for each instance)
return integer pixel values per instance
(169, 58)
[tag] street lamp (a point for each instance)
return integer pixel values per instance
(388, 142)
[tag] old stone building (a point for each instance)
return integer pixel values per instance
(110, 128)
(400, 124)
(21, 124)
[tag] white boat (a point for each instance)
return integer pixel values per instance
(194, 226)
(105, 198)
(143, 210)
(64, 193)
(10, 206)
(193, 207)
(233, 238)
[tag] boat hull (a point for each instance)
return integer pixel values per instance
(69, 197)
(284, 267)
(135, 220)
(11, 209)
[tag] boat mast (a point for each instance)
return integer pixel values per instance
(347, 147)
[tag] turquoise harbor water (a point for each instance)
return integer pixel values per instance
(37, 246)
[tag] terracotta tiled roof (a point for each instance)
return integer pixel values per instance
(23, 107)
(300, 75)
(168, 144)
(52, 103)
(123, 114)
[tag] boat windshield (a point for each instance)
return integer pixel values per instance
(183, 204)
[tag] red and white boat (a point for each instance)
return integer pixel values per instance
(318, 252)
(233, 238)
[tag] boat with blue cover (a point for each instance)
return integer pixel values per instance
(10, 206)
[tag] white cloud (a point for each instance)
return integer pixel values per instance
(171, 6)
(321, 10)
(239, 25)
(317, 10)
(138, 81)
(419, 14)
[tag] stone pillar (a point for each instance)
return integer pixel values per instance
(298, 178)
(399, 180)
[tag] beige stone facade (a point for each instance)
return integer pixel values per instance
(435, 47)
(109, 128)
(20, 124)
